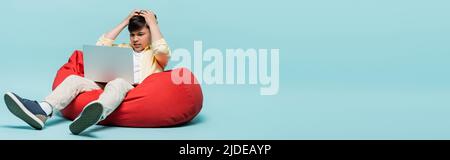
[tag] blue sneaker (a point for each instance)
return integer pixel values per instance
(91, 115)
(27, 110)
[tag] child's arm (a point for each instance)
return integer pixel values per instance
(108, 38)
(159, 45)
(116, 31)
(153, 25)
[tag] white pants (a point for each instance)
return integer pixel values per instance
(112, 96)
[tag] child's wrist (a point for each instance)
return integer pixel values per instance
(152, 23)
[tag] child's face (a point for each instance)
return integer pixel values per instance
(140, 39)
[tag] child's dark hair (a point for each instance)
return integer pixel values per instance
(137, 23)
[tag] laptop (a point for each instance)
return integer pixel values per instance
(104, 63)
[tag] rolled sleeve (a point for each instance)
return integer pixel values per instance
(160, 47)
(161, 51)
(103, 41)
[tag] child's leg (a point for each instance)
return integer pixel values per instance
(68, 90)
(112, 96)
(35, 113)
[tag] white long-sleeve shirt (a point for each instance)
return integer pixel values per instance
(137, 58)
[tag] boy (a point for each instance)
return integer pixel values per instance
(150, 53)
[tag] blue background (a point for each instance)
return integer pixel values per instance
(349, 69)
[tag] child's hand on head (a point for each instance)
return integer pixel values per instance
(149, 16)
(135, 12)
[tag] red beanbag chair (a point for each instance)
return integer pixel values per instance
(156, 102)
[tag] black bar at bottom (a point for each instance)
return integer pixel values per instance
(228, 149)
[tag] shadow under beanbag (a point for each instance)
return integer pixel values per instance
(156, 102)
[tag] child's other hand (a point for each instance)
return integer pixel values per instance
(135, 12)
(149, 16)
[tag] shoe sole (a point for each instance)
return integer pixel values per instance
(20, 111)
(90, 115)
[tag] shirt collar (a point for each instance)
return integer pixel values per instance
(145, 49)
